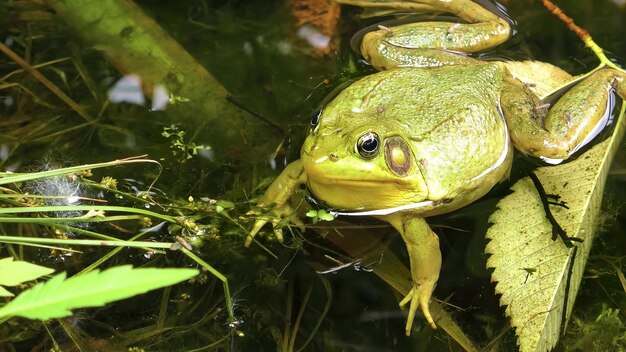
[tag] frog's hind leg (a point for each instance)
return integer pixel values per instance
(553, 132)
(433, 43)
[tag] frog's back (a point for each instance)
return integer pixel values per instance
(428, 98)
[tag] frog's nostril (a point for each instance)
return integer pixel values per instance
(333, 157)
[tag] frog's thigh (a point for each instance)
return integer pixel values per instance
(427, 44)
(425, 259)
(383, 56)
(556, 132)
(434, 43)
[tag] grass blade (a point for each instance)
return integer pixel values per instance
(6, 178)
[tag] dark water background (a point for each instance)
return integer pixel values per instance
(249, 46)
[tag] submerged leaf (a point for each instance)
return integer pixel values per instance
(13, 273)
(538, 277)
(56, 297)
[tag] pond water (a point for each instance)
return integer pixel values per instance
(255, 50)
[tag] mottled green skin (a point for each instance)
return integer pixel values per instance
(449, 116)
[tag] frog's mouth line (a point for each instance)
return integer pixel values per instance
(321, 176)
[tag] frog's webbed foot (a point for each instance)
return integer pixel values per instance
(277, 218)
(279, 194)
(557, 230)
(419, 296)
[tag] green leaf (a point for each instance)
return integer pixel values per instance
(225, 204)
(320, 215)
(324, 215)
(539, 300)
(5, 293)
(13, 273)
(56, 297)
(311, 213)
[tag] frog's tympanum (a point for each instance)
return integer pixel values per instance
(435, 130)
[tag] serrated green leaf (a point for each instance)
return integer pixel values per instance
(13, 273)
(539, 300)
(56, 297)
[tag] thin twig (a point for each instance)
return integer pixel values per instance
(555, 10)
(582, 34)
(263, 118)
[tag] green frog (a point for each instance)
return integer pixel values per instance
(435, 130)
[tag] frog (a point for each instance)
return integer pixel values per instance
(435, 129)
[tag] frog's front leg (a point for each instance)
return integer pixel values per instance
(554, 133)
(422, 245)
(432, 43)
(279, 193)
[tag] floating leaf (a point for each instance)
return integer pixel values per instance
(13, 273)
(537, 277)
(320, 214)
(56, 297)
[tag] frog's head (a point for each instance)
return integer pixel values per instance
(355, 161)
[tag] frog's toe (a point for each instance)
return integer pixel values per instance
(298, 223)
(278, 232)
(255, 229)
(419, 296)
(278, 224)
(276, 217)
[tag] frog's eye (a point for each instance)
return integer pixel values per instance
(368, 145)
(315, 120)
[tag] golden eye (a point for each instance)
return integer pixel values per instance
(368, 145)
